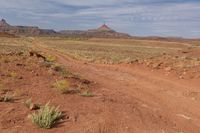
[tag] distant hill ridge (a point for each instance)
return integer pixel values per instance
(102, 31)
(23, 30)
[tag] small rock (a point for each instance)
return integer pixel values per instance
(20, 77)
(180, 77)
(156, 65)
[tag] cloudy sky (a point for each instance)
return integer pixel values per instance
(179, 18)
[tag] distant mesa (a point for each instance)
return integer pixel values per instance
(103, 31)
(23, 30)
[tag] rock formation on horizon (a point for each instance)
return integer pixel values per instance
(104, 27)
(23, 30)
(3, 23)
(103, 31)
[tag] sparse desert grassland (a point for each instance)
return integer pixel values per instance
(171, 55)
(46, 117)
(112, 50)
(6, 49)
(28, 82)
(26, 86)
(109, 51)
(20, 41)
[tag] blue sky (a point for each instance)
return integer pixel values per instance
(179, 18)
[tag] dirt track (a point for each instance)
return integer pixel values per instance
(137, 99)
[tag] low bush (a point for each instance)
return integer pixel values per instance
(46, 117)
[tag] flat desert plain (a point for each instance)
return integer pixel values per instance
(100, 85)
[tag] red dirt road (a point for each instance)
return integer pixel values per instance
(138, 100)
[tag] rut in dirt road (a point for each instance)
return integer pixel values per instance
(139, 100)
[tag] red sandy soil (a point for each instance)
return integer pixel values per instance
(128, 99)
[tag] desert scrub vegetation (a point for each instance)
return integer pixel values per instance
(87, 94)
(63, 71)
(30, 105)
(50, 58)
(62, 86)
(109, 51)
(12, 74)
(6, 98)
(46, 117)
(57, 67)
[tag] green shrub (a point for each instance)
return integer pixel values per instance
(62, 86)
(46, 117)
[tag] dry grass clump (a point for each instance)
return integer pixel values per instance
(87, 94)
(13, 74)
(62, 71)
(6, 98)
(62, 86)
(30, 105)
(50, 58)
(46, 117)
